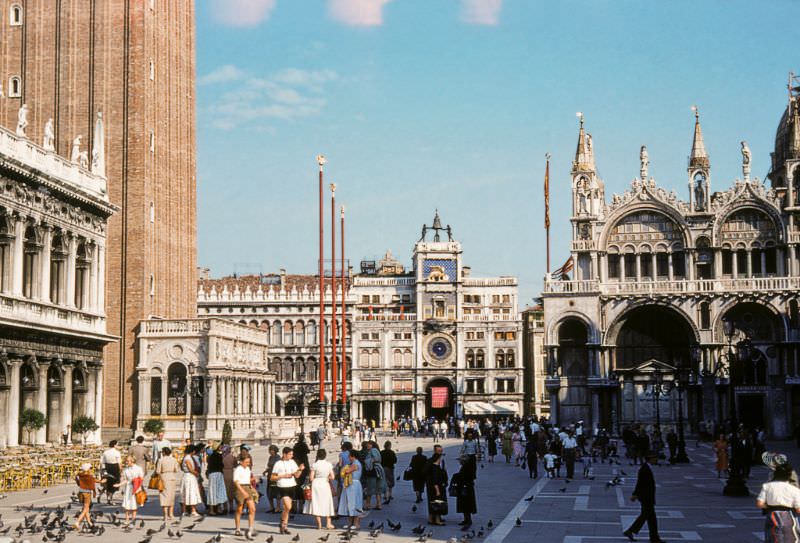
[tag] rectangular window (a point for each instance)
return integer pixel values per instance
(480, 335)
(475, 386)
(678, 264)
(741, 262)
(370, 385)
(376, 298)
(438, 308)
(662, 265)
(506, 298)
(727, 262)
(646, 263)
(402, 385)
(505, 385)
(395, 298)
(365, 298)
(470, 335)
(406, 298)
(613, 266)
(365, 336)
(630, 267)
(376, 335)
(498, 336)
(772, 261)
(511, 336)
(398, 335)
(495, 298)
(407, 335)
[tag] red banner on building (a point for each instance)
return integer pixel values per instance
(438, 397)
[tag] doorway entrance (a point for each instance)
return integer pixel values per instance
(751, 410)
(371, 411)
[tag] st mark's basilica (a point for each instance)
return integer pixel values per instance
(682, 307)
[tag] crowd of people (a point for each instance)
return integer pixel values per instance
(223, 480)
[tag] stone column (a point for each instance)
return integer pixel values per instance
(689, 258)
(735, 263)
(93, 281)
(764, 262)
(18, 257)
(44, 274)
(211, 404)
(792, 268)
(595, 411)
(717, 263)
(66, 411)
(41, 401)
(72, 250)
(622, 267)
(98, 401)
(100, 283)
(164, 393)
(653, 267)
(638, 268)
(144, 394)
(14, 398)
(749, 262)
(670, 271)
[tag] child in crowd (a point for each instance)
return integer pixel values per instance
(550, 460)
(586, 460)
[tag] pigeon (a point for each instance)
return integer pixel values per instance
(374, 533)
(150, 532)
(146, 539)
(141, 525)
(518, 522)
(413, 508)
(622, 471)
(179, 534)
(170, 534)
(45, 491)
(398, 477)
(371, 524)
(562, 489)
(418, 530)
(396, 527)
(270, 539)
(296, 538)
(480, 532)
(490, 523)
(324, 538)
(191, 526)
(566, 480)
(529, 499)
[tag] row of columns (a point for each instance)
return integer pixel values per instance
(94, 399)
(13, 267)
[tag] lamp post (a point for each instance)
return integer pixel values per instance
(614, 381)
(657, 388)
(193, 390)
(302, 392)
(735, 486)
(684, 378)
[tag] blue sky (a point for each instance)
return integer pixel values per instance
(452, 104)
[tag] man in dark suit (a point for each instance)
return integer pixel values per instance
(645, 492)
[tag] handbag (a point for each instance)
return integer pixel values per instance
(156, 482)
(307, 493)
(438, 507)
(141, 497)
(408, 474)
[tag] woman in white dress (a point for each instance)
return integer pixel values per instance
(190, 489)
(130, 483)
(351, 503)
(321, 504)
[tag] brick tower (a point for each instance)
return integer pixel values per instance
(133, 61)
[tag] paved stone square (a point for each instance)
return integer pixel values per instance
(690, 506)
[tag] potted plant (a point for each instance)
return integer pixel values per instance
(82, 426)
(32, 421)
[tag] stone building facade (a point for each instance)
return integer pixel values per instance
(285, 307)
(677, 305)
(537, 399)
(196, 374)
(53, 229)
(134, 63)
(435, 341)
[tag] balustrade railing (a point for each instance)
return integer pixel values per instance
(742, 284)
(51, 315)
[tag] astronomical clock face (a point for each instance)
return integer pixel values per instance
(439, 350)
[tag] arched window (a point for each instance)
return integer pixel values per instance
(299, 370)
(275, 366)
(299, 333)
(363, 358)
(375, 359)
(288, 330)
(312, 374)
(311, 333)
(54, 378)
(27, 376)
(3, 376)
(500, 358)
(82, 267)
(407, 358)
(397, 358)
(15, 15)
(470, 358)
(705, 316)
(30, 263)
(58, 259)
(275, 336)
(176, 394)
(510, 358)
(287, 369)
(480, 359)
(14, 87)
(155, 395)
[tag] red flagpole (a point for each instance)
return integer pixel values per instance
(334, 367)
(547, 207)
(344, 320)
(321, 161)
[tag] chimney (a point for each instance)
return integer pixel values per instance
(465, 271)
(283, 277)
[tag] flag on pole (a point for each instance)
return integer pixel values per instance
(547, 193)
(562, 273)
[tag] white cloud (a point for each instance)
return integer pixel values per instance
(242, 13)
(223, 74)
(481, 12)
(358, 12)
(288, 95)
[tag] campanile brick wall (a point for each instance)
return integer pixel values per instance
(78, 57)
